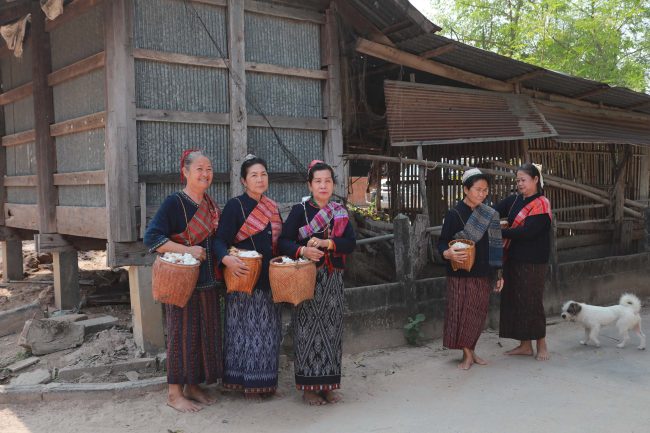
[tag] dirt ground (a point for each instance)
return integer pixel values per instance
(581, 389)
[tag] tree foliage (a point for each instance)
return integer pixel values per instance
(602, 40)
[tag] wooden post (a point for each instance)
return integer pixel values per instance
(423, 185)
(404, 263)
(12, 260)
(147, 315)
(44, 150)
(644, 172)
(65, 267)
(121, 139)
(647, 229)
(333, 147)
(237, 86)
(419, 243)
(618, 200)
(524, 151)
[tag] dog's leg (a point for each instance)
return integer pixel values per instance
(641, 335)
(593, 335)
(586, 340)
(625, 336)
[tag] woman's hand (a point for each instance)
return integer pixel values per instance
(197, 252)
(236, 265)
(499, 285)
(312, 253)
(318, 243)
(458, 255)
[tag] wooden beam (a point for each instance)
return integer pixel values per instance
(80, 178)
(121, 136)
(19, 138)
(74, 220)
(221, 3)
(3, 159)
(44, 149)
(143, 114)
(237, 92)
(180, 59)
(333, 144)
(290, 72)
(77, 69)
(439, 51)
(79, 124)
(128, 254)
(526, 76)
(148, 329)
(289, 122)
(360, 23)
(282, 11)
(70, 12)
(397, 27)
(22, 216)
(29, 180)
(13, 234)
(16, 94)
(593, 92)
(50, 242)
(394, 55)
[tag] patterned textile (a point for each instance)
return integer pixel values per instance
(266, 211)
(522, 308)
(317, 335)
(467, 305)
(483, 219)
(194, 352)
(322, 220)
(539, 206)
(252, 342)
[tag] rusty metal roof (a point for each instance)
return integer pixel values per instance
(426, 114)
(576, 126)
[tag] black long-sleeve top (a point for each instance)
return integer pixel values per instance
(300, 216)
(529, 243)
(452, 225)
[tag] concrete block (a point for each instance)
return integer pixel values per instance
(98, 324)
(72, 373)
(36, 377)
(43, 336)
(70, 318)
(23, 364)
(132, 375)
(66, 279)
(12, 321)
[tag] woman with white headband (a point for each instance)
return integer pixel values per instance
(527, 247)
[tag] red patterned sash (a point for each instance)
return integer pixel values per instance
(539, 206)
(266, 211)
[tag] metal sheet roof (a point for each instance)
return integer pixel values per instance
(426, 114)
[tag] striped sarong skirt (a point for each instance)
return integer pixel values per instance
(194, 352)
(522, 315)
(467, 306)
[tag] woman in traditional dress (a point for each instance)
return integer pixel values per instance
(251, 221)
(468, 292)
(186, 223)
(527, 246)
(319, 229)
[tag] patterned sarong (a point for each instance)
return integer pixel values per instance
(467, 306)
(264, 213)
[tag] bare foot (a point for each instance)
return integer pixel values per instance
(522, 349)
(182, 404)
(478, 360)
(331, 396)
(194, 392)
(542, 351)
(313, 399)
(468, 359)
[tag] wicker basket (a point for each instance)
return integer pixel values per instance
(292, 282)
(471, 251)
(173, 283)
(247, 283)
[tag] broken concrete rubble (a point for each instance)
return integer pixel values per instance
(43, 336)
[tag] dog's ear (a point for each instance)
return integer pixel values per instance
(574, 308)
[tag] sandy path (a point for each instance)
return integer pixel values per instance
(407, 390)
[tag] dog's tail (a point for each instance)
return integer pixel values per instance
(630, 300)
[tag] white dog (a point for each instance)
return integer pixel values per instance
(625, 314)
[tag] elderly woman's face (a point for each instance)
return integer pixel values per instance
(199, 174)
(477, 192)
(526, 184)
(257, 179)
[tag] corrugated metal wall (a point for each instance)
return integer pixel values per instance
(84, 151)
(19, 117)
(171, 26)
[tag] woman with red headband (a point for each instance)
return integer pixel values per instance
(186, 223)
(319, 229)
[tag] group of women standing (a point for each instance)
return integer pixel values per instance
(511, 259)
(245, 354)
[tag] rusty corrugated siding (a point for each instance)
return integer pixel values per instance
(426, 114)
(574, 126)
(78, 39)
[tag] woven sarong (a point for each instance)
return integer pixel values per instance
(467, 306)
(522, 314)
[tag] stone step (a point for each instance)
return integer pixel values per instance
(22, 364)
(98, 324)
(70, 318)
(72, 373)
(36, 377)
(12, 321)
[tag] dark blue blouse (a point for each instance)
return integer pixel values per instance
(232, 218)
(300, 216)
(170, 219)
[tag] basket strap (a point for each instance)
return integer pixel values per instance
(187, 224)
(461, 218)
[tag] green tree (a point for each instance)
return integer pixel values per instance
(602, 40)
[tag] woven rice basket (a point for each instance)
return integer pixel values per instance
(173, 283)
(246, 283)
(471, 251)
(292, 282)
